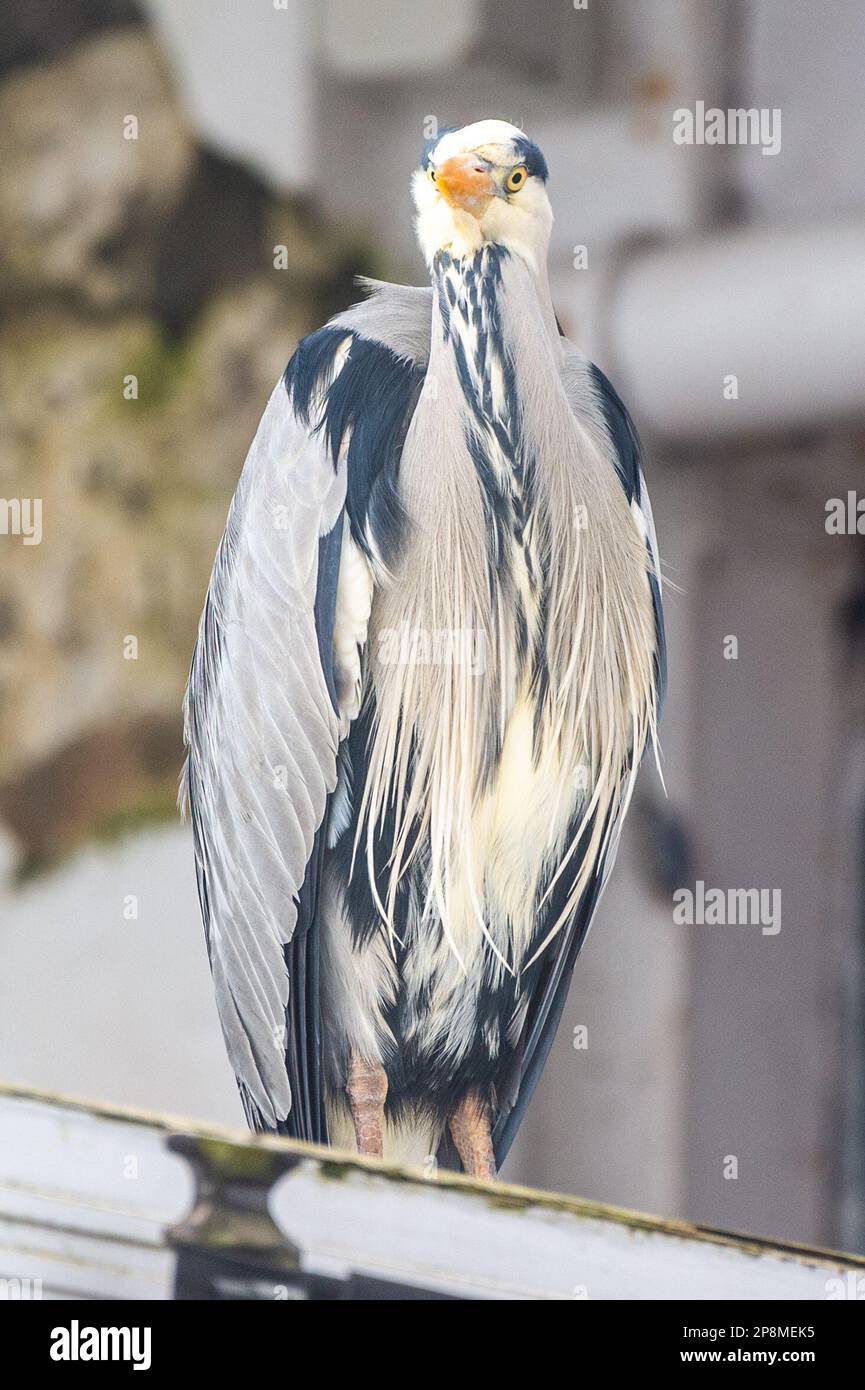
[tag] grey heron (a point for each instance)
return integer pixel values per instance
(429, 663)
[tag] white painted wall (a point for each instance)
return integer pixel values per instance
(85, 1198)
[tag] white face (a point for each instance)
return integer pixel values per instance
(479, 185)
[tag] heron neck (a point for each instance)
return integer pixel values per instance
(490, 310)
(485, 298)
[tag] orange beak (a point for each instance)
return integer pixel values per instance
(465, 182)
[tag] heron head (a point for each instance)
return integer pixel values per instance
(483, 183)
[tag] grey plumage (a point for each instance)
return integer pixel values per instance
(437, 836)
(262, 734)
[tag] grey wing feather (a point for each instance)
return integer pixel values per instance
(595, 401)
(262, 735)
(263, 732)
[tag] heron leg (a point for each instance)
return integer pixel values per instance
(471, 1131)
(367, 1092)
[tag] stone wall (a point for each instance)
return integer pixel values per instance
(143, 323)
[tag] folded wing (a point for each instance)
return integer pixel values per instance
(262, 715)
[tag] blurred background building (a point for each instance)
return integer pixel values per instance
(186, 186)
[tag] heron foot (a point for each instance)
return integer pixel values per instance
(367, 1092)
(471, 1131)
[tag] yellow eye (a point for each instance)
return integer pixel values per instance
(431, 174)
(516, 178)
